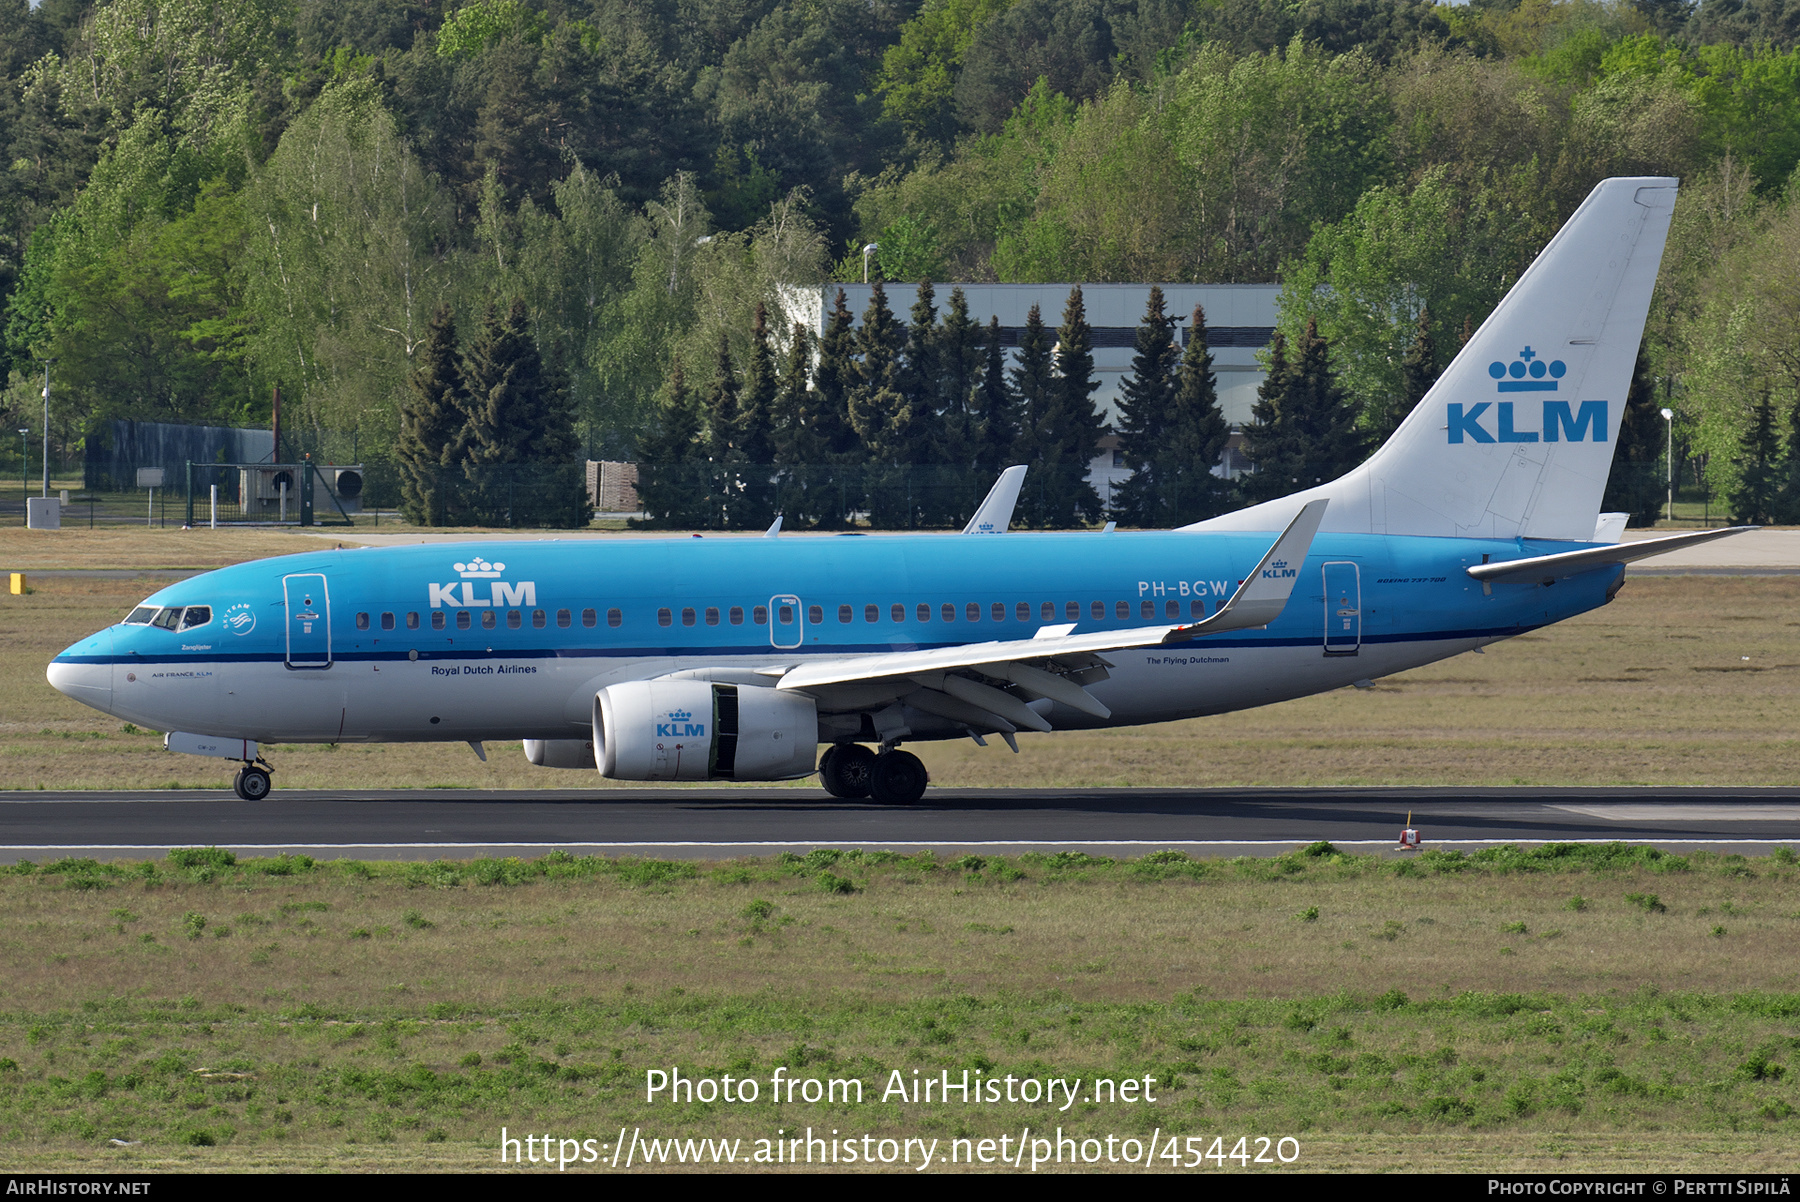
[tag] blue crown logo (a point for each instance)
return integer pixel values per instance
(680, 715)
(1527, 372)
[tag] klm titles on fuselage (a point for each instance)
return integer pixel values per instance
(501, 595)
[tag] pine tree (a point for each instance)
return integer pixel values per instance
(434, 420)
(994, 409)
(721, 408)
(1197, 434)
(1268, 442)
(833, 445)
(956, 436)
(790, 440)
(1418, 372)
(670, 488)
(1332, 440)
(1066, 430)
(1759, 469)
(914, 436)
(519, 415)
(1787, 501)
(1146, 398)
(1636, 484)
(876, 402)
(1033, 378)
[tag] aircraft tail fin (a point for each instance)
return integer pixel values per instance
(1515, 440)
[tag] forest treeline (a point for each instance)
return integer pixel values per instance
(204, 199)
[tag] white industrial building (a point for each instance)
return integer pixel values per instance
(1239, 321)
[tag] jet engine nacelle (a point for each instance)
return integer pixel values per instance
(560, 753)
(697, 730)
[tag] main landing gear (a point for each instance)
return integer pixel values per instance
(253, 783)
(894, 777)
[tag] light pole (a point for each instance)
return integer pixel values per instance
(1669, 460)
(47, 363)
(24, 469)
(868, 250)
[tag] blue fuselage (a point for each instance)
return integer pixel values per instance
(508, 640)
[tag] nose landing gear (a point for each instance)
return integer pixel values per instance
(253, 783)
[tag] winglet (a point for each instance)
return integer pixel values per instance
(995, 514)
(774, 530)
(1260, 599)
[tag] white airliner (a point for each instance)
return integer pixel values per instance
(735, 658)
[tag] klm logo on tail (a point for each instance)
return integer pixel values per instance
(1512, 376)
(1587, 421)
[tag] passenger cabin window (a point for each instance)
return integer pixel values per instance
(1146, 609)
(712, 615)
(871, 613)
(196, 615)
(1122, 609)
(787, 615)
(1072, 610)
(387, 621)
(362, 621)
(736, 615)
(488, 620)
(972, 612)
(539, 619)
(665, 617)
(564, 619)
(1047, 611)
(1171, 608)
(845, 614)
(814, 614)
(437, 620)
(614, 618)
(760, 615)
(923, 612)
(1022, 611)
(898, 612)
(997, 611)
(1197, 608)
(947, 612)
(514, 619)
(462, 619)
(412, 621)
(140, 616)
(1097, 610)
(687, 617)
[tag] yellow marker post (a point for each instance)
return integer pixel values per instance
(18, 584)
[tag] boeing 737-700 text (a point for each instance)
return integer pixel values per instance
(735, 658)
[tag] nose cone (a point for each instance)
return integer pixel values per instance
(84, 671)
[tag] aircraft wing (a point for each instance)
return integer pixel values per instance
(926, 676)
(1547, 569)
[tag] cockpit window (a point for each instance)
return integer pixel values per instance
(168, 618)
(140, 616)
(196, 615)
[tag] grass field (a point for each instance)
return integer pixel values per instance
(1681, 680)
(1587, 1009)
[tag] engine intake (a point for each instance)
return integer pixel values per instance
(697, 730)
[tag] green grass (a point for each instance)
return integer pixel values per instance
(209, 1010)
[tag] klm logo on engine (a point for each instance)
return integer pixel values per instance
(1279, 570)
(500, 594)
(1588, 421)
(680, 725)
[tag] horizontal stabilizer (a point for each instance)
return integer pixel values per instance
(1547, 568)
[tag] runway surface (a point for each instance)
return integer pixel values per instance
(720, 823)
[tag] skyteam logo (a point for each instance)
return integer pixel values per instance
(240, 619)
(680, 725)
(500, 593)
(1513, 376)
(1279, 570)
